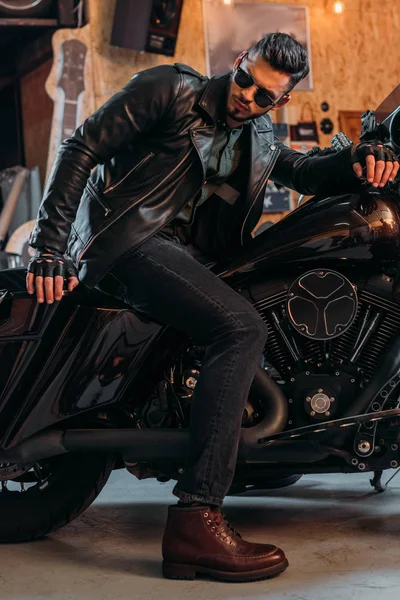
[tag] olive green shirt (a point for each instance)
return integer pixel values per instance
(224, 160)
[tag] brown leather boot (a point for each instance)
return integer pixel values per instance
(199, 540)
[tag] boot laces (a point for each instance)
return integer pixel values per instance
(223, 524)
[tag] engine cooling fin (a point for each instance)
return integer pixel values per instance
(321, 305)
(341, 348)
(370, 305)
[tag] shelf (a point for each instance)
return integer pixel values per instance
(19, 22)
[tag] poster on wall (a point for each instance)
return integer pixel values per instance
(276, 199)
(231, 28)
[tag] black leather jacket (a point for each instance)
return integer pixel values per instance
(150, 144)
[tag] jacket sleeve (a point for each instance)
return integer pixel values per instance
(136, 109)
(311, 175)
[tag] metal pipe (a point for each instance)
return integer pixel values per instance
(149, 444)
(276, 409)
(363, 325)
(285, 338)
(146, 445)
(370, 330)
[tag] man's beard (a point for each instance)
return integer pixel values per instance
(233, 114)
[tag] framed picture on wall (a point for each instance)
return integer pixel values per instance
(231, 28)
(276, 199)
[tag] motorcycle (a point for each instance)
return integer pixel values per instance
(88, 385)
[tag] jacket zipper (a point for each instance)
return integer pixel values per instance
(268, 168)
(121, 214)
(135, 168)
(95, 197)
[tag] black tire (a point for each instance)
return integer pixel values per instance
(72, 484)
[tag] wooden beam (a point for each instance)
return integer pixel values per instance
(18, 22)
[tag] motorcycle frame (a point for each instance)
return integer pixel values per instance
(99, 354)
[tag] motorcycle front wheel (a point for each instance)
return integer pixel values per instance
(46, 496)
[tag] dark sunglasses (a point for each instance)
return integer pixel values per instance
(261, 97)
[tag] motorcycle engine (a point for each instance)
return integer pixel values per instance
(326, 338)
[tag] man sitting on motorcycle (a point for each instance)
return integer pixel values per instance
(165, 178)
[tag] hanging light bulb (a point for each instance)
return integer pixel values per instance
(338, 7)
(227, 1)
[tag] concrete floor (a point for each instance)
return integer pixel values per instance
(342, 541)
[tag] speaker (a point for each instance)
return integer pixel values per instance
(147, 25)
(26, 9)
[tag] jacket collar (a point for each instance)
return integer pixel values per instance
(214, 96)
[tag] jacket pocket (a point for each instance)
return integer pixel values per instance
(96, 196)
(74, 246)
(135, 168)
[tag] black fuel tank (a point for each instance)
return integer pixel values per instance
(354, 228)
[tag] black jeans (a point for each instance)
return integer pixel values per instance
(163, 280)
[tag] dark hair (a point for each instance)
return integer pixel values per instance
(284, 54)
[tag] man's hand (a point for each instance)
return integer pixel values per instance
(379, 161)
(46, 273)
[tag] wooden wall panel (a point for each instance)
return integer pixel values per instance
(353, 54)
(114, 66)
